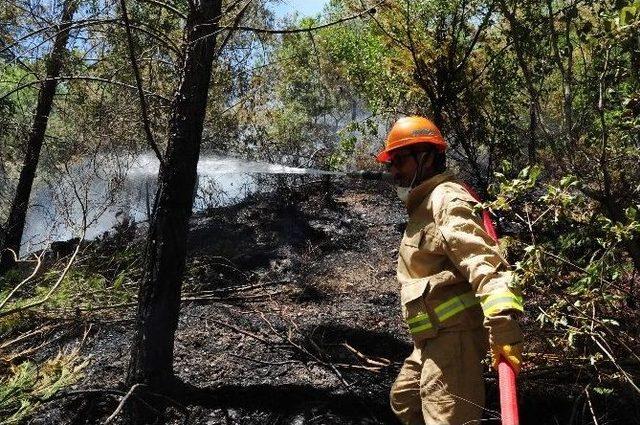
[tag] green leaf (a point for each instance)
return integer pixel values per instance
(535, 173)
(117, 284)
(568, 181)
(603, 391)
(627, 15)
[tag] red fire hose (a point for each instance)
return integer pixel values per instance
(506, 374)
(508, 396)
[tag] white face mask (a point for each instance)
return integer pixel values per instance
(403, 193)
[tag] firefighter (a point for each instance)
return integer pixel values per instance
(456, 293)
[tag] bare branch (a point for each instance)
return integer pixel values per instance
(370, 11)
(236, 22)
(593, 413)
(77, 24)
(84, 78)
(123, 402)
(27, 279)
(53, 288)
(95, 22)
(136, 73)
(165, 6)
(483, 25)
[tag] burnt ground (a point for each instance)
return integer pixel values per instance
(291, 316)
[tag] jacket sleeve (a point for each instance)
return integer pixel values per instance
(477, 257)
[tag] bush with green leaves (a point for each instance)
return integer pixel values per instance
(570, 261)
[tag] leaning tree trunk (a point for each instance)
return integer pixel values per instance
(18, 213)
(151, 362)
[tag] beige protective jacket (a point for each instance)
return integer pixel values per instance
(451, 272)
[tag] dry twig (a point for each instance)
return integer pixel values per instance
(53, 288)
(27, 279)
(123, 402)
(380, 361)
(593, 413)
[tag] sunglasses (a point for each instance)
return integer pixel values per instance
(398, 159)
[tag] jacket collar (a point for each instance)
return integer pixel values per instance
(424, 189)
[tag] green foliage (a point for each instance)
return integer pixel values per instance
(570, 260)
(508, 190)
(361, 56)
(102, 279)
(80, 288)
(105, 275)
(540, 104)
(344, 152)
(10, 76)
(27, 384)
(84, 289)
(13, 120)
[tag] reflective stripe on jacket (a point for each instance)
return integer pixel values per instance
(450, 270)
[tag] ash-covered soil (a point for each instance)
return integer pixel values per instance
(290, 313)
(290, 316)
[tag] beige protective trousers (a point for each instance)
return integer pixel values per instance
(441, 383)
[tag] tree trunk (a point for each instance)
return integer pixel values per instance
(18, 213)
(151, 361)
(532, 142)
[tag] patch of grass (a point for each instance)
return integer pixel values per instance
(26, 385)
(13, 321)
(80, 289)
(11, 278)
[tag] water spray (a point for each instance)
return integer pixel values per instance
(370, 175)
(227, 176)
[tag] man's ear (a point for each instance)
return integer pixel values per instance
(431, 159)
(427, 162)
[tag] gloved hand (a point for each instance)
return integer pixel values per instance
(512, 353)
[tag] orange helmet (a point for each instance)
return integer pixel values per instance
(411, 131)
